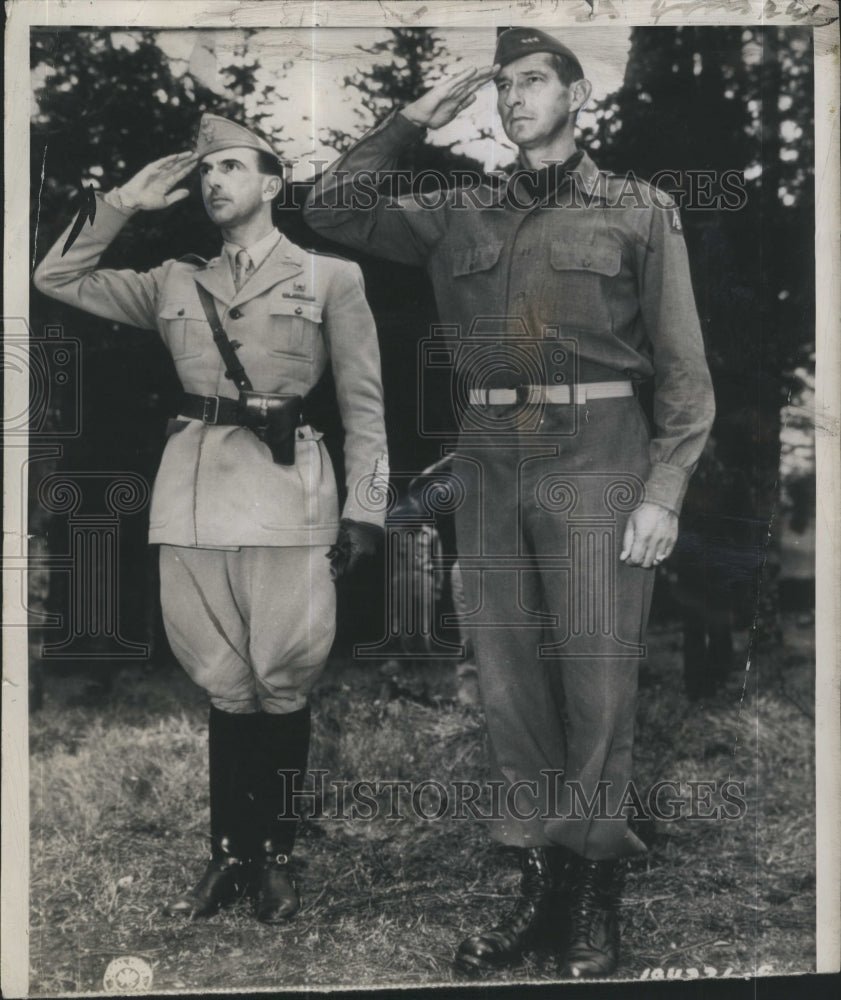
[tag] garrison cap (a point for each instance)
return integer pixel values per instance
(217, 133)
(517, 42)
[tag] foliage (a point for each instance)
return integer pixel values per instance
(107, 103)
(755, 299)
(731, 99)
(409, 55)
(406, 64)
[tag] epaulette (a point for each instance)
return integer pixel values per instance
(324, 253)
(193, 258)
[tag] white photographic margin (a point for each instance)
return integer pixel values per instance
(823, 16)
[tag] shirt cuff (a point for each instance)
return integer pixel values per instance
(666, 486)
(113, 199)
(368, 502)
(407, 130)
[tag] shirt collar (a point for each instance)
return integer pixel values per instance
(585, 175)
(257, 251)
(544, 181)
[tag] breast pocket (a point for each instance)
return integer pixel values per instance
(184, 329)
(585, 277)
(475, 257)
(295, 324)
(603, 259)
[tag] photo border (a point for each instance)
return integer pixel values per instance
(823, 17)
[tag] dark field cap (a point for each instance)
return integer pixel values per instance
(517, 42)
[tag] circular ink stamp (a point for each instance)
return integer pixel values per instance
(128, 974)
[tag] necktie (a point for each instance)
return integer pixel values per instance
(243, 266)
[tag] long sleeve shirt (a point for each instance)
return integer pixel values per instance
(601, 265)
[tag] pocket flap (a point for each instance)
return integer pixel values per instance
(183, 309)
(602, 259)
(475, 257)
(287, 304)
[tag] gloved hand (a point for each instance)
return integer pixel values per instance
(356, 540)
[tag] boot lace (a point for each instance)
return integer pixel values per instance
(587, 901)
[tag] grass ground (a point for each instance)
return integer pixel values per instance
(119, 818)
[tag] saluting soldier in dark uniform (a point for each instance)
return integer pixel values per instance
(564, 296)
(245, 505)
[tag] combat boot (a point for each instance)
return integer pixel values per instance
(593, 949)
(504, 943)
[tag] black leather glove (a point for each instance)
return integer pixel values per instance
(356, 540)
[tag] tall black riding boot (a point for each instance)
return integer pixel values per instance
(543, 880)
(224, 880)
(280, 753)
(593, 949)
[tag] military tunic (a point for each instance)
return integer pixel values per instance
(217, 491)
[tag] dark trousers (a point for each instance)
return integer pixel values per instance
(557, 621)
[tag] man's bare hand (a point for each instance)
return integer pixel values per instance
(650, 536)
(151, 188)
(445, 100)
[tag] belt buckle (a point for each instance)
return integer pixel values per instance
(206, 417)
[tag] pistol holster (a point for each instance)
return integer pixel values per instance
(273, 418)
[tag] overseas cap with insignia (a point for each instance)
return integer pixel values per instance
(517, 42)
(216, 133)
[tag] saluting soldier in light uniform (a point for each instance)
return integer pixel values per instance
(245, 505)
(565, 295)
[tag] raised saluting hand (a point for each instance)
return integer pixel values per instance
(151, 187)
(446, 99)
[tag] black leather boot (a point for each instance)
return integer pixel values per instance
(225, 878)
(223, 883)
(281, 745)
(276, 896)
(505, 943)
(593, 949)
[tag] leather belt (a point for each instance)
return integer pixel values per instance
(209, 409)
(563, 394)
